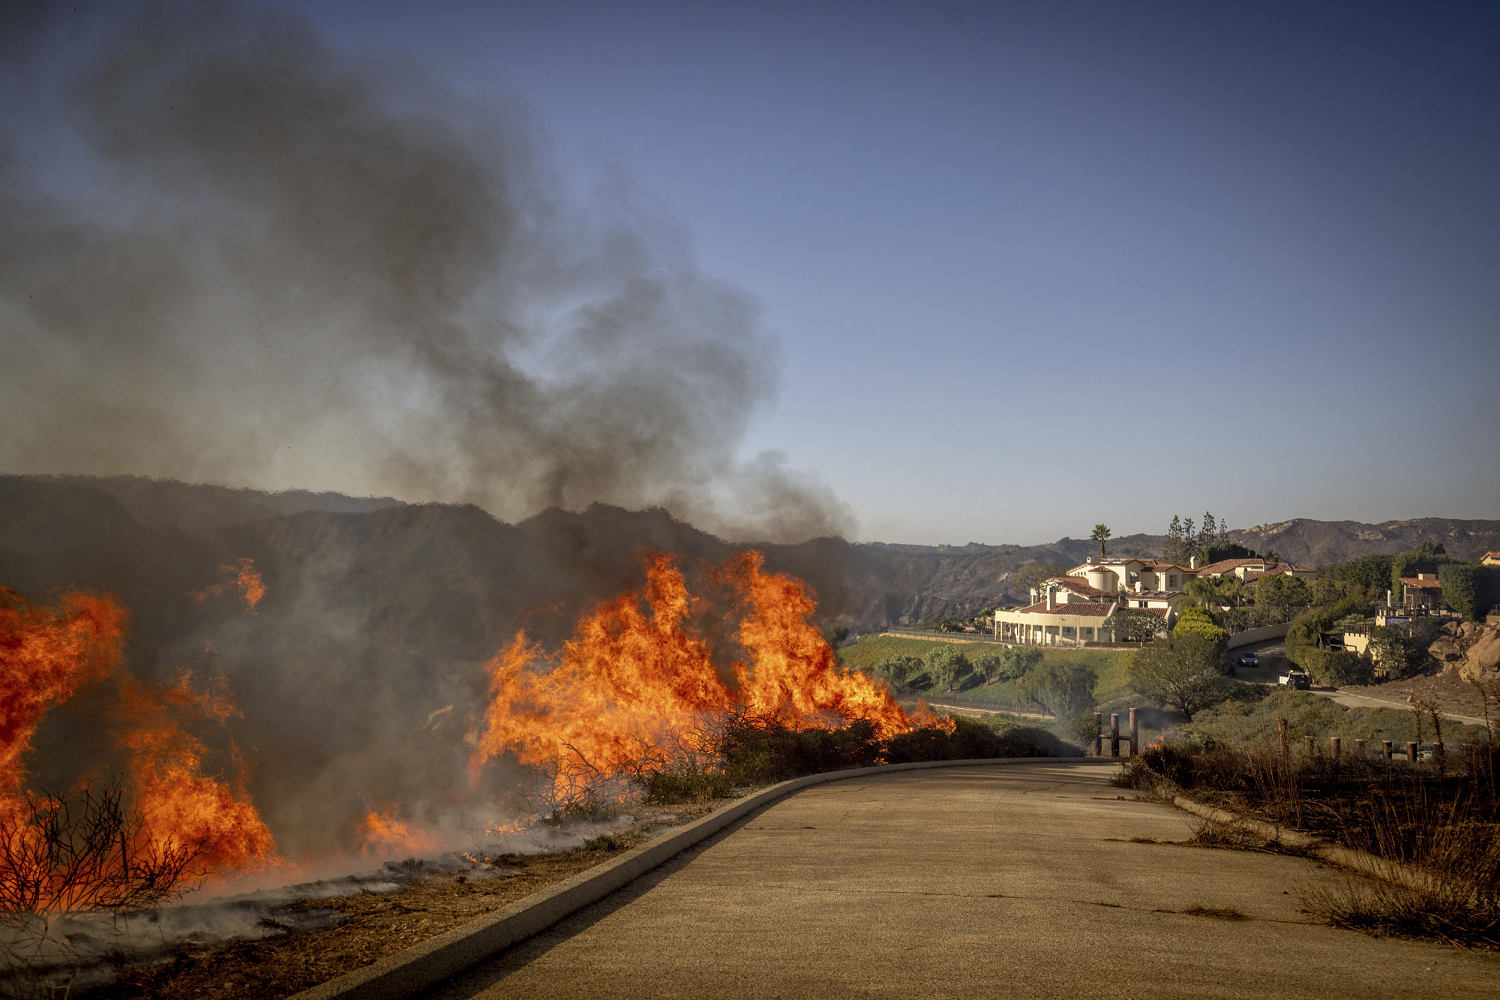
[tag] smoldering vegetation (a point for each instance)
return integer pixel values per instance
(230, 253)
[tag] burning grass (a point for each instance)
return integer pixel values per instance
(655, 697)
(1435, 830)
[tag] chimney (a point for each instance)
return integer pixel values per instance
(1050, 592)
(1192, 562)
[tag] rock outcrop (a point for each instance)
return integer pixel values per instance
(1469, 648)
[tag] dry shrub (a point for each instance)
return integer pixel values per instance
(1445, 828)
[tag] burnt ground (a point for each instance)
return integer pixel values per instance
(367, 925)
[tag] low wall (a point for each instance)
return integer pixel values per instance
(1251, 636)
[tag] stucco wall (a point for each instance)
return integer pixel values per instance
(1250, 637)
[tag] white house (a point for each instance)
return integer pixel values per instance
(1080, 607)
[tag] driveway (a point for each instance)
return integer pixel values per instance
(1028, 879)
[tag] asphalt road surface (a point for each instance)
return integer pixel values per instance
(1034, 879)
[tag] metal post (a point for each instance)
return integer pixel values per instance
(1135, 734)
(1114, 734)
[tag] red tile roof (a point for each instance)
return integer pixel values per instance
(1415, 584)
(1230, 565)
(1083, 609)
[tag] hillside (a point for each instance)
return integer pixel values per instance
(454, 575)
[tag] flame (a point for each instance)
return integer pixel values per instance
(635, 688)
(47, 656)
(181, 806)
(386, 833)
(242, 576)
(175, 807)
(629, 685)
(794, 677)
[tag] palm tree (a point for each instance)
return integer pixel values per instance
(1101, 532)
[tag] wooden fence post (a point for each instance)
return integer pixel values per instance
(1333, 747)
(1411, 752)
(1135, 735)
(1114, 734)
(1385, 748)
(1098, 734)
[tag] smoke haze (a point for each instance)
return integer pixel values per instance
(253, 260)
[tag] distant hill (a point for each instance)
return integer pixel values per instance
(1322, 543)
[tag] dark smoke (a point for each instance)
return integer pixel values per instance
(253, 260)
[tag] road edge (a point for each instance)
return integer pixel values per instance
(422, 966)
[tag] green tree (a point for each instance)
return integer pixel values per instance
(1197, 621)
(989, 666)
(1217, 591)
(899, 668)
(1283, 596)
(1100, 535)
(1219, 551)
(1369, 575)
(1425, 558)
(1138, 625)
(945, 665)
(1061, 689)
(1208, 534)
(1470, 588)
(1019, 661)
(1183, 671)
(1390, 652)
(1177, 550)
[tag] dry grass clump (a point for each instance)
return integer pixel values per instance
(1436, 826)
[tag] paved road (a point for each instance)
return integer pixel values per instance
(1028, 880)
(1273, 662)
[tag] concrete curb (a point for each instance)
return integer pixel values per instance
(423, 966)
(1360, 861)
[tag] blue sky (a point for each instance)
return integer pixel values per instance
(1018, 268)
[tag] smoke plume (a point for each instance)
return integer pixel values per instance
(230, 253)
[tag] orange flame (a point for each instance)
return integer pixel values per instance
(181, 806)
(240, 575)
(48, 655)
(386, 833)
(634, 688)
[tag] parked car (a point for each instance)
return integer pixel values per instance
(1249, 660)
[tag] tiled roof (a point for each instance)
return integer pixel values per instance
(1078, 585)
(1413, 582)
(1082, 609)
(1230, 565)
